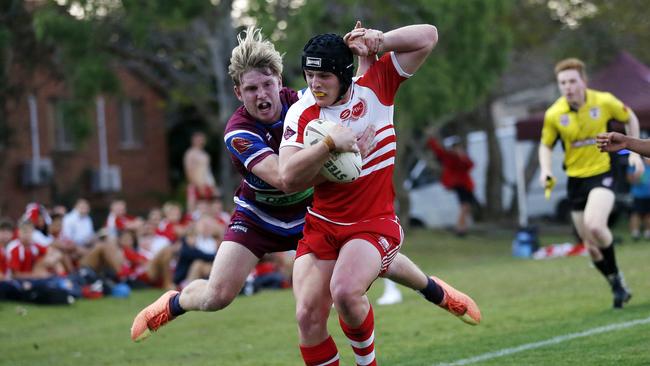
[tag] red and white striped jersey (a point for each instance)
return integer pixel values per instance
(371, 103)
(22, 258)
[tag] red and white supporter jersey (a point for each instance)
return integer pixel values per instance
(371, 103)
(22, 258)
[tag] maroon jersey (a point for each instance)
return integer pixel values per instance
(249, 142)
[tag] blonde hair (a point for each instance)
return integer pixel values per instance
(571, 64)
(254, 52)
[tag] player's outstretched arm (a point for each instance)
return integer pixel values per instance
(411, 44)
(614, 141)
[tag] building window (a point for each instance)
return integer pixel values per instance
(63, 134)
(131, 124)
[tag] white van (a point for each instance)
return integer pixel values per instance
(434, 206)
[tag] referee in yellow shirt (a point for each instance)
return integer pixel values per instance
(576, 118)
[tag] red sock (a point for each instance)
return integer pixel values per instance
(362, 340)
(323, 354)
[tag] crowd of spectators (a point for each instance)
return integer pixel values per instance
(52, 255)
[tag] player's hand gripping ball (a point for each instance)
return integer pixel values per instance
(341, 167)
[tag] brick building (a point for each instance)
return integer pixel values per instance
(124, 155)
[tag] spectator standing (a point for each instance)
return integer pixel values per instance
(456, 167)
(200, 181)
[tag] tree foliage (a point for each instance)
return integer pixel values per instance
(473, 48)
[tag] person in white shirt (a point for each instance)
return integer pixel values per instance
(78, 226)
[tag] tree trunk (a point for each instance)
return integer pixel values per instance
(494, 173)
(221, 40)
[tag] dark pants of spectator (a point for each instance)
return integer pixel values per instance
(187, 255)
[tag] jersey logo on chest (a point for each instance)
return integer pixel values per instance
(594, 112)
(357, 111)
(564, 120)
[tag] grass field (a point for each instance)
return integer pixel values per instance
(522, 301)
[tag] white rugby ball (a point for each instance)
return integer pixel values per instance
(341, 167)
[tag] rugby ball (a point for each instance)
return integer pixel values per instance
(341, 167)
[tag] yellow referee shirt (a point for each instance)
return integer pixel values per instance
(578, 130)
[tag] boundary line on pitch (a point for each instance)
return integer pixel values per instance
(548, 342)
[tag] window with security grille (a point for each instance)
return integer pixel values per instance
(131, 124)
(63, 135)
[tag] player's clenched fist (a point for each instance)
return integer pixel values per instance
(364, 42)
(344, 138)
(611, 141)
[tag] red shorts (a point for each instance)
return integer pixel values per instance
(325, 239)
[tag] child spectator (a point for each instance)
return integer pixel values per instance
(28, 259)
(118, 220)
(169, 230)
(71, 253)
(40, 218)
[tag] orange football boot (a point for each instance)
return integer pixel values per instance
(152, 317)
(458, 303)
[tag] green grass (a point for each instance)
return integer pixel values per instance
(522, 301)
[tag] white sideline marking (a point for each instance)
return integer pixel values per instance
(548, 342)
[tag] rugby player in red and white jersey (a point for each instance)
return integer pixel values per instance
(266, 219)
(351, 233)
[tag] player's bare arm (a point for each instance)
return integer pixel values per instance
(545, 158)
(298, 166)
(411, 44)
(366, 141)
(615, 141)
(269, 171)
